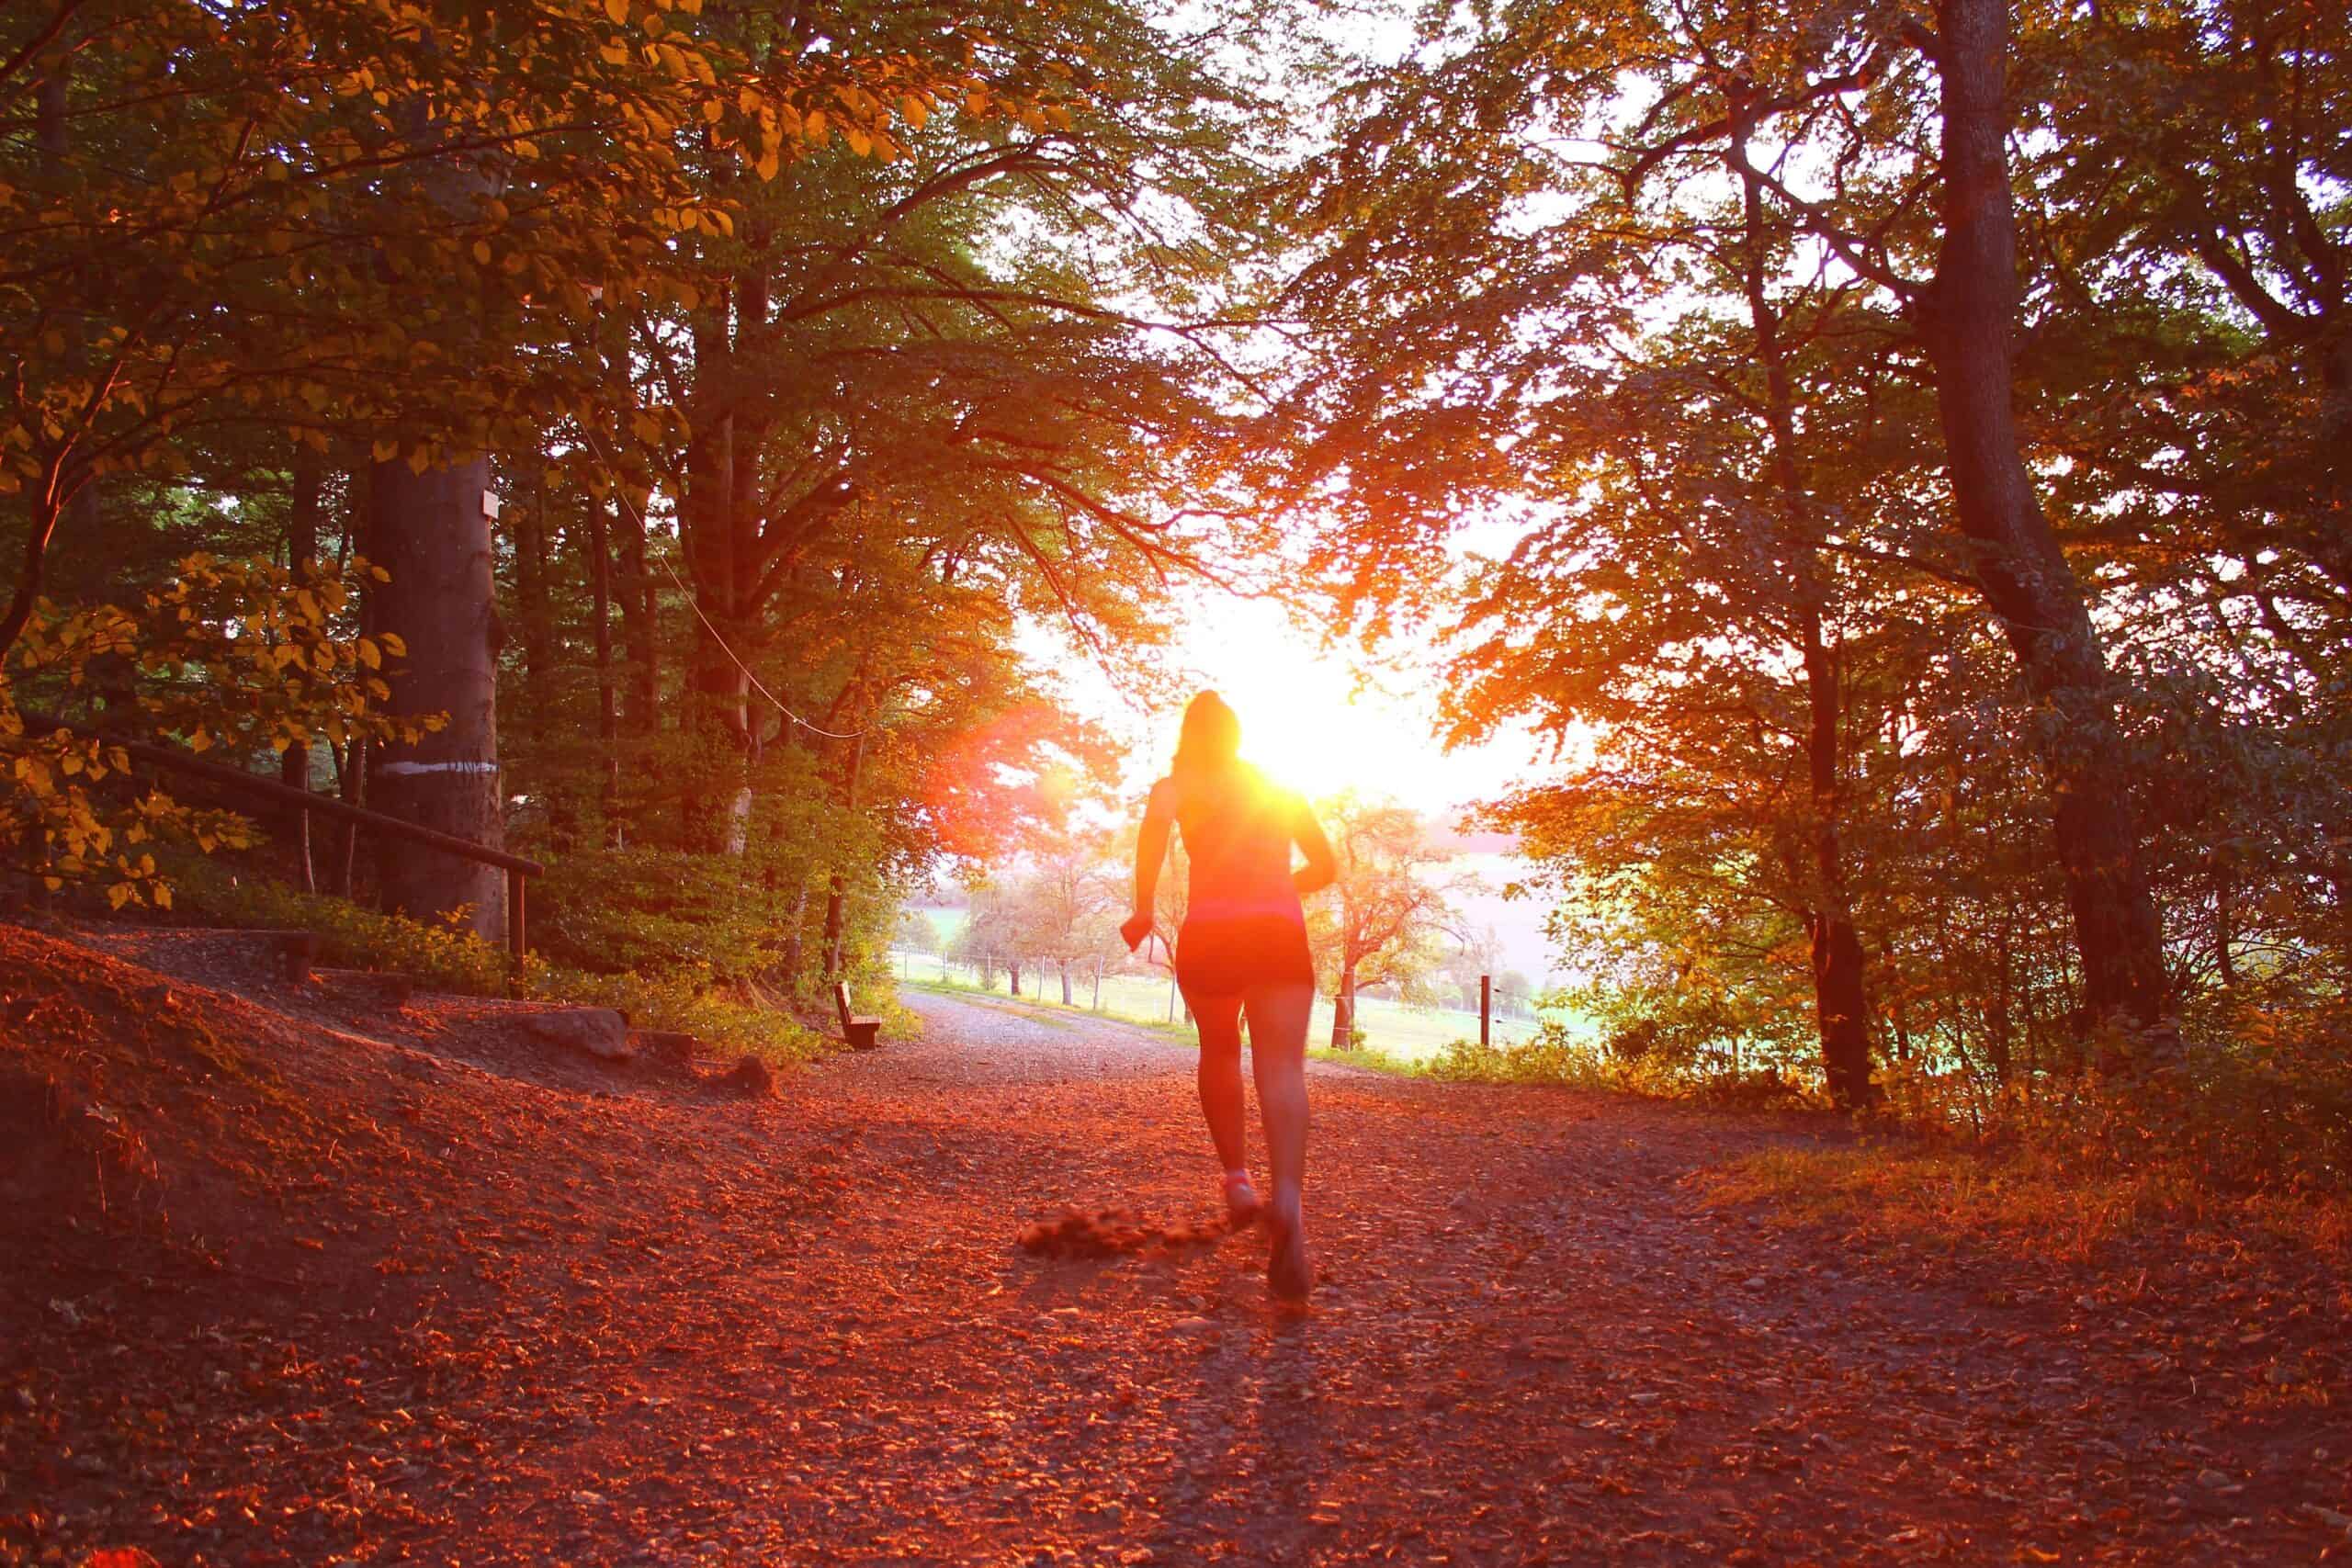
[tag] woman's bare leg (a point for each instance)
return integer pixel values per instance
(1278, 1020)
(1220, 1076)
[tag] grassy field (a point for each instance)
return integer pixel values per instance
(1407, 1033)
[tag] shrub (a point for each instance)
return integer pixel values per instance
(443, 956)
(1556, 1056)
(683, 996)
(691, 1002)
(652, 910)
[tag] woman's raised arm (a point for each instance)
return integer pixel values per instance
(1151, 851)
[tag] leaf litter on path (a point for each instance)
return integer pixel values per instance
(550, 1315)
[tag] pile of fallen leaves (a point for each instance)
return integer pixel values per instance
(1108, 1232)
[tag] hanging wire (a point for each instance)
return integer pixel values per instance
(694, 604)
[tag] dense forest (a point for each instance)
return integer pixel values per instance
(1899, 455)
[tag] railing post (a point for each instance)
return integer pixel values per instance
(517, 915)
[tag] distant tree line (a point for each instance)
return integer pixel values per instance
(1388, 925)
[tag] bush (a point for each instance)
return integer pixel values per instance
(649, 910)
(2259, 1099)
(441, 956)
(690, 1001)
(1554, 1056)
(733, 1016)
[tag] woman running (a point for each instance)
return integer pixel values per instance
(1242, 948)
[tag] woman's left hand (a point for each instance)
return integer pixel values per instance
(1138, 927)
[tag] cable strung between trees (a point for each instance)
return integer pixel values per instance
(694, 604)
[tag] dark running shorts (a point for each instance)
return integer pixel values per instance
(1223, 957)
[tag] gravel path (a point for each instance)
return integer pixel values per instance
(654, 1327)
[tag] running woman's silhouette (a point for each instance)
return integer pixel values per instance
(1242, 948)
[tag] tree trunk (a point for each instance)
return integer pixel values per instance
(1968, 318)
(1343, 1011)
(1840, 995)
(431, 533)
(531, 573)
(302, 560)
(2225, 966)
(836, 900)
(1065, 997)
(351, 780)
(837, 891)
(1096, 1005)
(794, 944)
(59, 486)
(1841, 1003)
(1012, 968)
(641, 633)
(608, 724)
(717, 798)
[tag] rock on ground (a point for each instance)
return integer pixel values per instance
(601, 1032)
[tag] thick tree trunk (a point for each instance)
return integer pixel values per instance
(1840, 995)
(1013, 969)
(1343, 1011)
(717, 798)
(431, 533)
(1968, 318)
(1065, 996)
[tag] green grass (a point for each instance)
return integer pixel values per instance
(1399, 1036)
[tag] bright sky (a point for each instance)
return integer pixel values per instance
(1304, 719)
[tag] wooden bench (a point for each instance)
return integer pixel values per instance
(858, 1031)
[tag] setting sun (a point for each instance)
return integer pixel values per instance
(1307, 718)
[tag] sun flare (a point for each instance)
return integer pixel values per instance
(1307, 719)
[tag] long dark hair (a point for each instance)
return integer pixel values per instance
(1210, 741)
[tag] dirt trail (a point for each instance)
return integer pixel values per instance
(654, 1327)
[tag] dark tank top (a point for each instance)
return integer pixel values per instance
(1236, 828)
